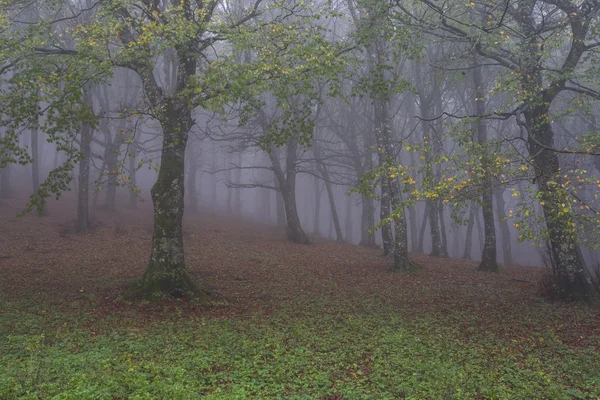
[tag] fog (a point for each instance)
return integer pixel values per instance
(406, 135)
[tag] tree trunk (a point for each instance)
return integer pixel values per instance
(166, 273)
(192, 178)
(97, 191)
(421, 248)
(469, 234)
(571, 277)
(348, 223)
(444, 247)
(317, 216)
(383, 124)
(385, 212)
(280, 207)
(367, 222)
(325, 174)
(488, 256)
(132, 176)
(5, 186)
(287, 185)
(504, 228)
(110, 155)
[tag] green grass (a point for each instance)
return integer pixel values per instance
(371, 353)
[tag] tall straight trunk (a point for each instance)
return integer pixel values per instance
(425, 109)
(325, 174)
(401, 261)
(412, 212)
(480, 232)
(279, 206)
(133, 200)
(504, 228)
(385, 211)
(443, 229)
(421, 242)
(348, 223)
(437, 169)
(383, 124)
(455, 230)
(367, 222)
(317, 215)
(192, 178)
(82, 223)
(166, 272)
(488, 256)
(110, 155)
(97, 191)
(412, 223)
(368, 207)
(5, 186)
(469, 234)
(334, 214)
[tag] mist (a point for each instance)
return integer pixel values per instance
(373, 175)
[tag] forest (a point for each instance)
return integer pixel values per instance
(295, 199)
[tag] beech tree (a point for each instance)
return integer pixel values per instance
(135, 36)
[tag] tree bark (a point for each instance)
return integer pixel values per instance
(469, 234)
(421, 247)
(504, 228)
(348, 223)
(488, 256)
(387, 155)
(571, 276)
(192, 178)
(133, 200)
(385, 212)
(325, 175)
(5, 185)
(367, 222)
(286, 181)
(110, 155)
(166, 272)
(317, 215)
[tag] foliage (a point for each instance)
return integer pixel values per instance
(354, 356)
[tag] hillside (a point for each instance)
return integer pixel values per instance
(327, 320)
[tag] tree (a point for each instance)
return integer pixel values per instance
(136, 36)
(546, 49)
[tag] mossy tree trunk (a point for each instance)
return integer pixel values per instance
(504, 228)
(166, 273)
(571, 277)
(488, 256)
(387, 156)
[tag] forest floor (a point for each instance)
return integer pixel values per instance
(325, 321)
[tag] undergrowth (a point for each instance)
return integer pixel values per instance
(374, 353)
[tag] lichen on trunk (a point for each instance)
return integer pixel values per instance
(166, 273)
